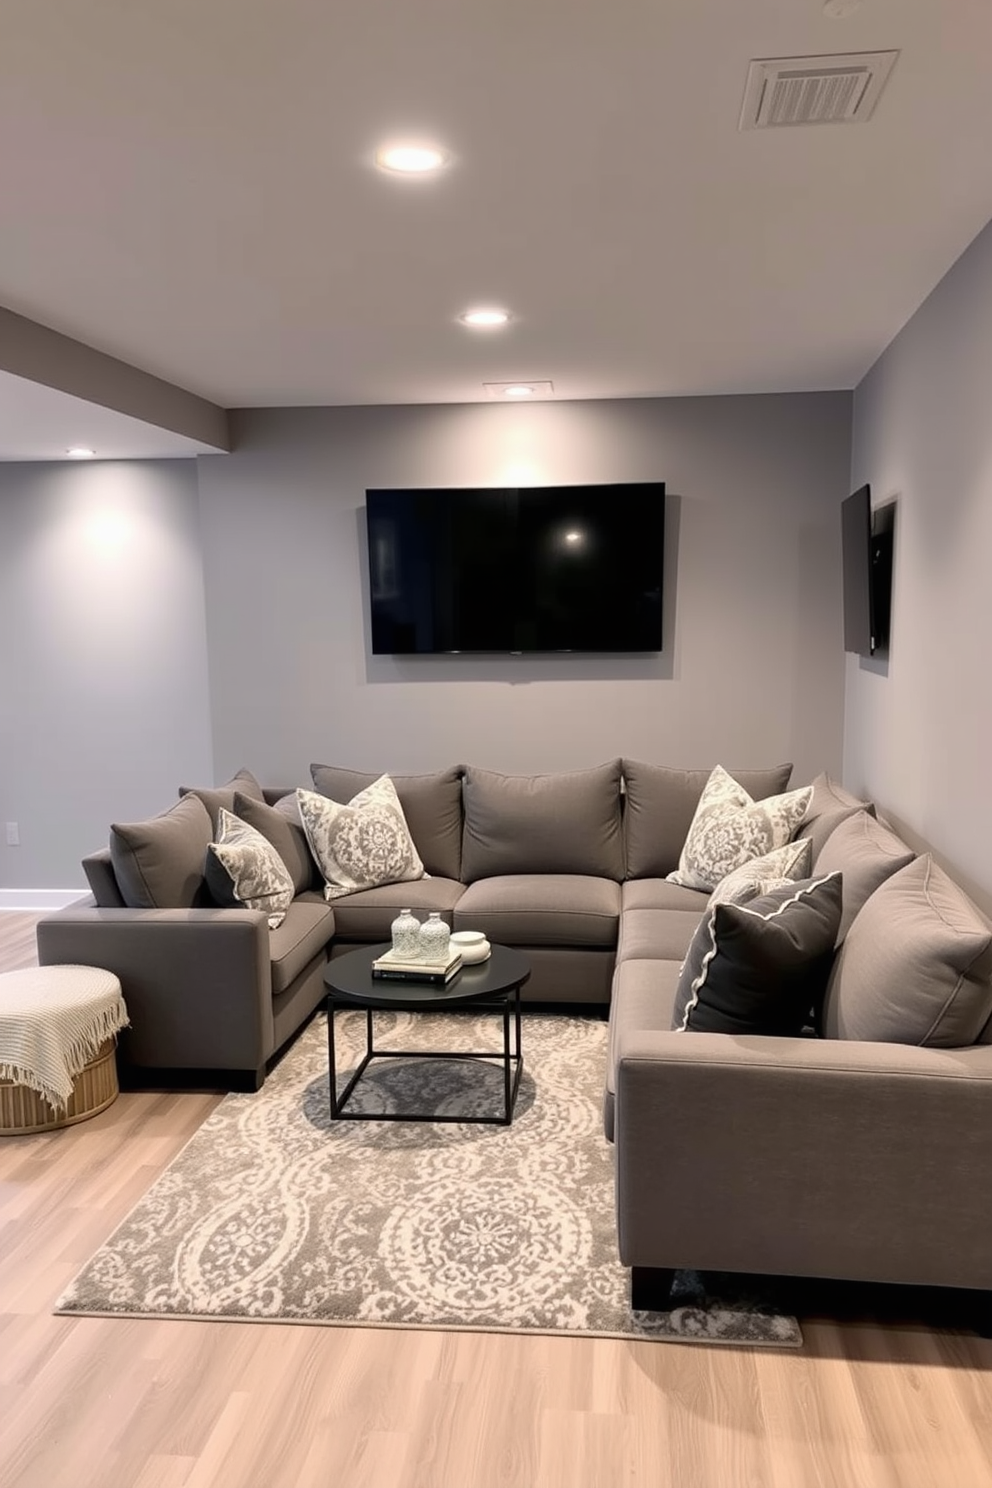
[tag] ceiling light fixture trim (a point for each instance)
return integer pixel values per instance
(520, 388)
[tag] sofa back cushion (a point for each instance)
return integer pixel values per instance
(562, 823)
(432, 805)
(660, 804)
(222, 796)
(915, 966)
(866, 852)
(831, 804)
(159, 863)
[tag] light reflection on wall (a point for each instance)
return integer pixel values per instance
(105, 531)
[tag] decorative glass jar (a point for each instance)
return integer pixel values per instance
(434, 938)
(405, 931)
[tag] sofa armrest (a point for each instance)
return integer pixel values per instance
(804, 1157)
(196, 982)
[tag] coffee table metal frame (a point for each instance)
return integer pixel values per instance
(490, 986)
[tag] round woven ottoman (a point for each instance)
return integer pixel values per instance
(58, 1027)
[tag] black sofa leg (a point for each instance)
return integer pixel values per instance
(246, 1080)
(650, 1288)
(982, 1314)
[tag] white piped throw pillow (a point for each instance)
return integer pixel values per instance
(729, 829)
(363, 844)
(243, 867)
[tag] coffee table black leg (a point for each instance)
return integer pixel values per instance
(331, 1063)
(512, 1056)
(338, 1102)
(507, 1106)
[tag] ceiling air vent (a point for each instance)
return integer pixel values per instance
(814, 90)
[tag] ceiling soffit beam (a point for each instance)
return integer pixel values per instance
(41, 355)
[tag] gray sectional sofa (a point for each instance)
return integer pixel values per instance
(551, 864)
(858, 1153)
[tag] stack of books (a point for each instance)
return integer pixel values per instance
(400, 969)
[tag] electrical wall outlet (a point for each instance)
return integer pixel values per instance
(13, 835)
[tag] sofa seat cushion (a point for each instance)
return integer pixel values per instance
(522, 909)
(916, 965)
(302, 935)
(660, 804)
(656, 934)
(658, 893)
(567, 823)
(643, 1000)
(432, 805)
(367, 916)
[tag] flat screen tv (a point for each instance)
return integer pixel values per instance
(516, 569)
(867, 568)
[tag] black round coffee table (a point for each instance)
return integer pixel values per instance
(489, 986)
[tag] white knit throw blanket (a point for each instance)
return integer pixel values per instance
(53, 1020)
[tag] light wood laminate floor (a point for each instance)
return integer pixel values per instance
(98, 1403)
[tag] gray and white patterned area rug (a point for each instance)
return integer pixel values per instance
(272, 1212)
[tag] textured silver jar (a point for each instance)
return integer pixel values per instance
(405, 931)
(434, 938)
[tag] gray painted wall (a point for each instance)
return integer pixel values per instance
(752, 671)
(917, 730)
(103, 660)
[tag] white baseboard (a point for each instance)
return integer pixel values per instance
(39, 899)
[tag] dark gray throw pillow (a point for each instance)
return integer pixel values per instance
(158, 863)
(761, 967)
(215, 797)
(282, 826)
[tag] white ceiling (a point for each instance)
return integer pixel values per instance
(189, 188)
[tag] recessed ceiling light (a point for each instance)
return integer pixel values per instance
(539, 388)
(80, 452)
(485, 318)
(838, 10)
(410, 159)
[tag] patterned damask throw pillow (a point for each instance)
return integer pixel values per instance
(761, 875)
(243, 868)
(729, 829)
(362, 844)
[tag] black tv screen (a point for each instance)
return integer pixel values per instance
(856, 536)
(516, 569)
(867, 568)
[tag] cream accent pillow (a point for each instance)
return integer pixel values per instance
(242, 867)
(762, 875)
(362, 844)
(729, 829)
